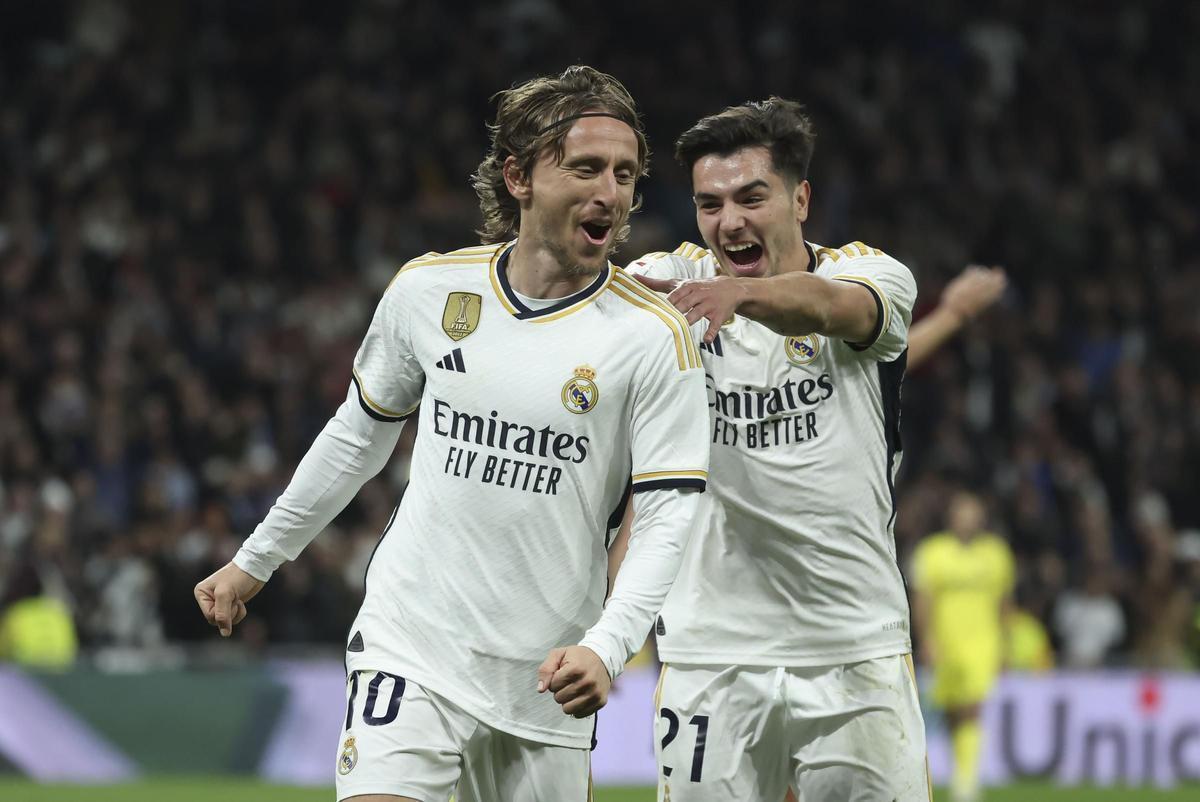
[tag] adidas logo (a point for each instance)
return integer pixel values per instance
(453, 361)
(714, 347)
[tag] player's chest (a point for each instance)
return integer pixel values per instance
(753, 362)
(967, 569)
(478, 356)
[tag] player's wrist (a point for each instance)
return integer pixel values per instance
(611, 662)
(956, 313)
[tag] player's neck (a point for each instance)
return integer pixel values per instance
(535, 271)
(798, 261)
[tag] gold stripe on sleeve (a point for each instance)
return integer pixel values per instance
(680, 354)
(641, 477)
(639, 289)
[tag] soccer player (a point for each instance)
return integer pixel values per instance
(785, 637)
(963, 581)
(547, 379)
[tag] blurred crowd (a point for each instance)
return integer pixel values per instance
(201, 203)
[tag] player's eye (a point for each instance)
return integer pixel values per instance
(625, 177)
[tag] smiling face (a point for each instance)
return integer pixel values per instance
(750, 216)
(574, 206)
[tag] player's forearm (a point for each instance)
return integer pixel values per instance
(662, 524)
(351, 449)
(930, 332)
(803, 303)
(792, 304)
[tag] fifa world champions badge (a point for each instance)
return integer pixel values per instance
(580, 394)
(461, 315)
(349, 757)
(802, 350)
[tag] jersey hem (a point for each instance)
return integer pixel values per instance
(345, 791)
(536, 734)
(669, 655)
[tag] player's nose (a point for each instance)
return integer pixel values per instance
(732, 220)
(606, 190)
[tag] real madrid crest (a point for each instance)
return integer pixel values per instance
(349, 757)
(580, 394)
(461, 315)
(802, 350)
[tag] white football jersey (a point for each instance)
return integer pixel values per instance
(797, 566)
(532, 423)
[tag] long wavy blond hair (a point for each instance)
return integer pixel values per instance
(532, 107)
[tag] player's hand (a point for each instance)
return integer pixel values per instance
(223, 595)
(577, 677)
(974, 290)
(716, 299)
(663, 285)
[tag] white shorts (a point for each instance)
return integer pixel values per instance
(850, 733)
(398, 738)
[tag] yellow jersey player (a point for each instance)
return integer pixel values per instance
(785, 638)
(963, 582)
(552, 386)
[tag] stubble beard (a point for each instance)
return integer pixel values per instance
(570, 266)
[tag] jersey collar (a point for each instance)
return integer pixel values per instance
(572, 303)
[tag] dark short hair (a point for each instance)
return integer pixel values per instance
(779, 125)
(524, 128)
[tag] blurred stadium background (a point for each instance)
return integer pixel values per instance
(201, 202)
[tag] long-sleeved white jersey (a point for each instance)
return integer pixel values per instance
(797, 563)
(533, 421)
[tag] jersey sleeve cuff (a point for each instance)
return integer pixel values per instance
(256, 565)
(882, 310)
(665, 480)
(607, 649)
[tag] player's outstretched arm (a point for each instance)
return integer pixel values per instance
(352, 448)
(968, 294)
(223, 595)
(793, 303)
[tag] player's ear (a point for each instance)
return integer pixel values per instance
(517, 181)
(801, 196)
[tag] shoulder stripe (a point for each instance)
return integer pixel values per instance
(884, 302)
(680, 354)
(690, 250)
(650, 296)
(853, 250)
(634, 292)
(466, 256)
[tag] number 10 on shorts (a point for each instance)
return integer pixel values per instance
(701, 725)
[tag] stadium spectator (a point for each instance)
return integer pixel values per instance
(199, 203)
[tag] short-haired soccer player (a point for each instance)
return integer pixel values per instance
(546, 378)
(785, 637)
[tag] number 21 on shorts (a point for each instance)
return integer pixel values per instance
(701, 725)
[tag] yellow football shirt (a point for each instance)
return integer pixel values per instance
(966, 583)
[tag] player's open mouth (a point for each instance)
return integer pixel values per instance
(744, 256)
(596, 232)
